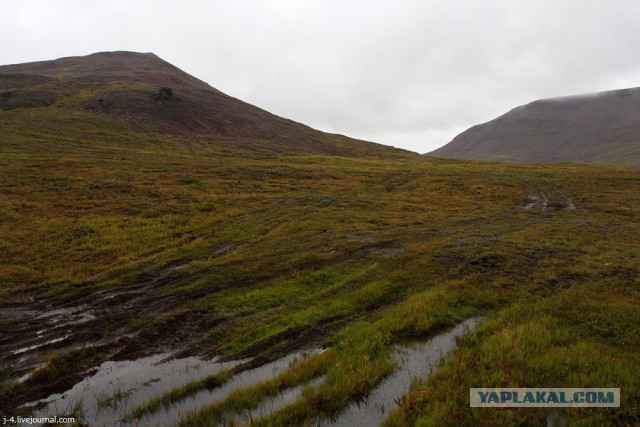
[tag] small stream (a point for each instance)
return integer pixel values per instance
(415, 360)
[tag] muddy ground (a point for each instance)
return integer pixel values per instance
(94, 328)
(94, 324)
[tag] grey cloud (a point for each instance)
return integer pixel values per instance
(410, 73)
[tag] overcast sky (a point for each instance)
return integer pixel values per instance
(408, 73)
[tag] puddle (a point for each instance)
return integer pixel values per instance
(33, 347)
(531, 205)
(24, 377)
(30, 330)
(417, 359)
(276, 403)
(119, 386)
(67, 316)
(58, 312)
(172, 414)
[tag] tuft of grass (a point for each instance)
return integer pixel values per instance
(75, 408)
(206, 206)
(188, 180)
(114, 398)
(59, 366)
(176, 394)
(248, 398)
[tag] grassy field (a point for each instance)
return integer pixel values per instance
(240, 253)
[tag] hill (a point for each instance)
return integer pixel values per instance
(601, 127)
(145, 93)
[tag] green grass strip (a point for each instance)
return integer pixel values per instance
(250, 397)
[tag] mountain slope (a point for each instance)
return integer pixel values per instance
(602, 127)
(145, 93)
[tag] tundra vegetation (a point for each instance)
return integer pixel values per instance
(215, 248)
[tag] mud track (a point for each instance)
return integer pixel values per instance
(557, 200)
(30, 333)
(97, 320)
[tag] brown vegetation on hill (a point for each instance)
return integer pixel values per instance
(603, 127)
(146, 93)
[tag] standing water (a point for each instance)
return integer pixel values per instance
(172, 414)
(116, 387)
(415, 360)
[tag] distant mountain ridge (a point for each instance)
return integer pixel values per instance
(601, 127)
(151, 95)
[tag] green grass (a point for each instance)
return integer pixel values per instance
(249, 398)
(527, 345)
(176, 394)
(279, 252)
(114, 398)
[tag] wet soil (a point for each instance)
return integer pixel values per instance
(94, 328)
(29, 334)
(97, 322)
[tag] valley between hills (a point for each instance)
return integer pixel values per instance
(143, 212)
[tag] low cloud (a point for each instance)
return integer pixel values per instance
(411, 74)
